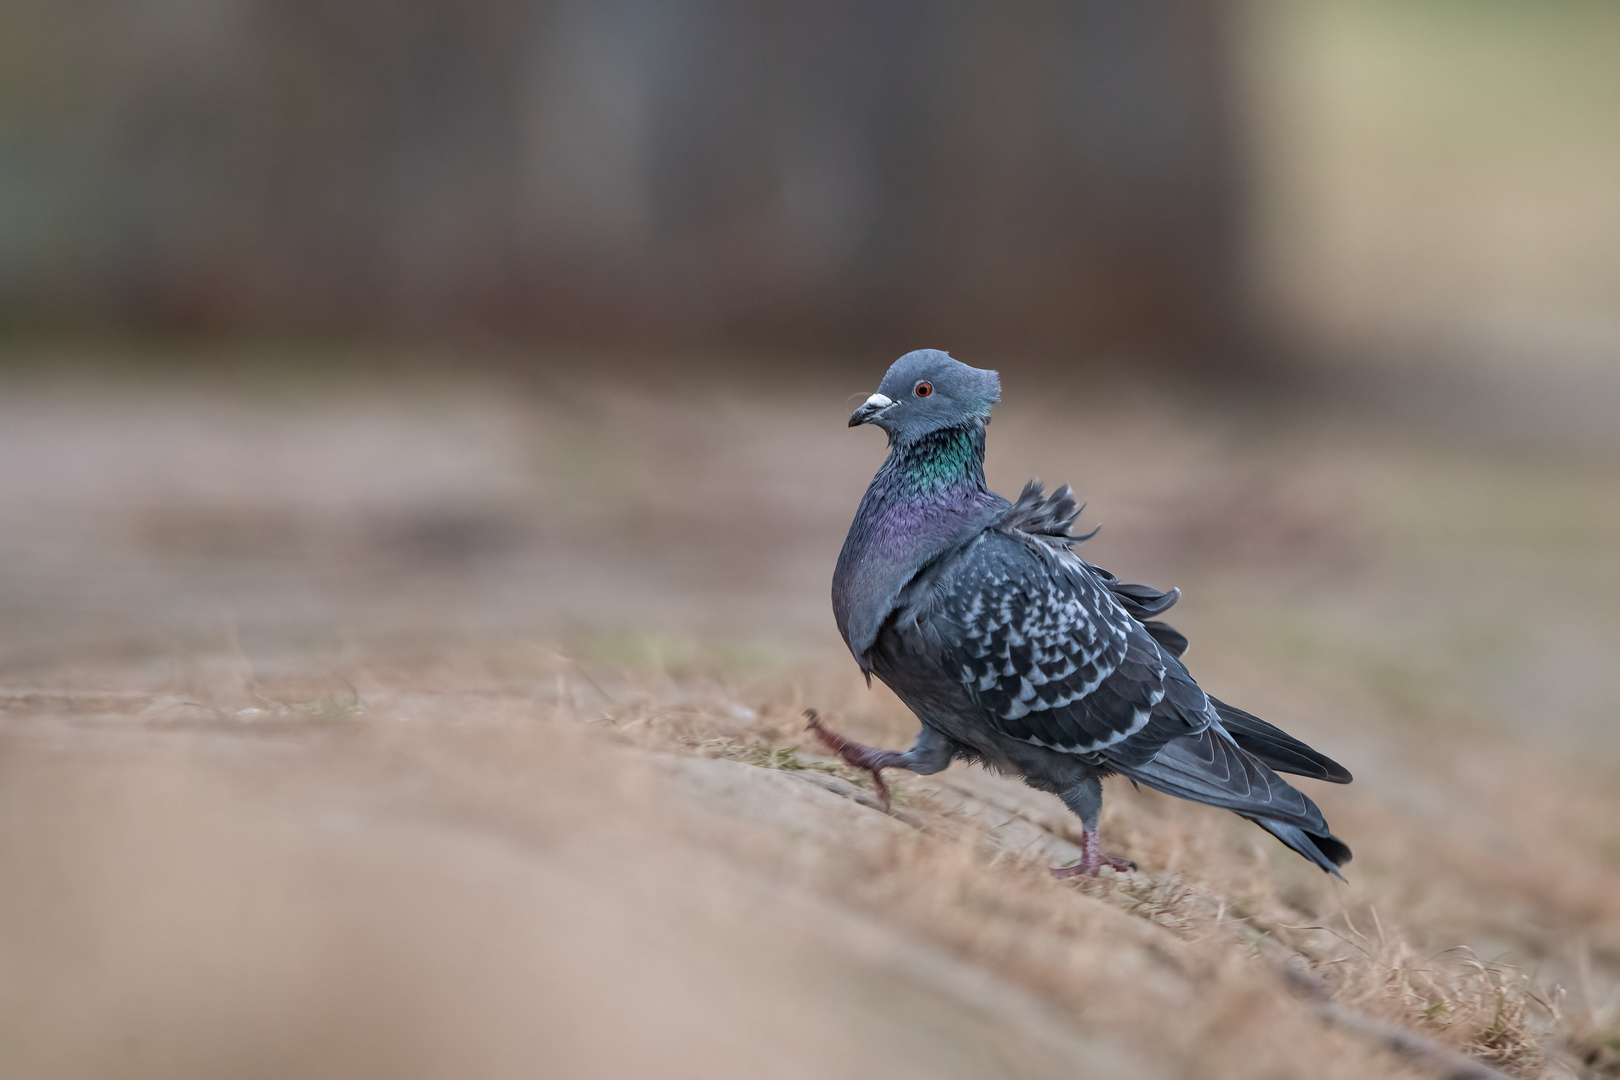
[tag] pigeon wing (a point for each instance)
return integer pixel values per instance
(1050, 656)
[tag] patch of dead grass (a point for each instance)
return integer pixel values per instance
(1183, 956)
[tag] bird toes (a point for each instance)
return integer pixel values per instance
(1092, 859)
(1079, 869)
(857, 755)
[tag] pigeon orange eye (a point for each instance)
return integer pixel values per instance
(923, 389)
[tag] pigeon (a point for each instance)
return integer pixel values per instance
(1016, 653)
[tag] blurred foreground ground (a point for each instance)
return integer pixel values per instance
(404, 728)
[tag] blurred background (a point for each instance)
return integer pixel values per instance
(357, 356)
(1163, 178)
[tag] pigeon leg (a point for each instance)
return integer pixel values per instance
(1092, 859)
(859, 755)
(1084, 797)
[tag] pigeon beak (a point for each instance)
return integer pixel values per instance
(869, 410)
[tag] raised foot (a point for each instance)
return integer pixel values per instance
(857, 754)
(1092, 860)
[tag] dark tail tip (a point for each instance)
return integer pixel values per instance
(1324, 849)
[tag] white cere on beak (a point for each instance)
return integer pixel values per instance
(878, 401)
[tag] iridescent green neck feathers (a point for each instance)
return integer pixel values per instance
(939, 461)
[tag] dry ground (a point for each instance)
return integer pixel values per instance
(442, 729)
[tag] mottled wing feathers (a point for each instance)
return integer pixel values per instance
(1142, 603)
(1046, 653)
(1049, 518)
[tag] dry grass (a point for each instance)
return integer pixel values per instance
(510, 764)
(1183, 956)
(1227, 927)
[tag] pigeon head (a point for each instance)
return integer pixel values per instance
(927, 391)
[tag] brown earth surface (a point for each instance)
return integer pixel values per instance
(422, 729)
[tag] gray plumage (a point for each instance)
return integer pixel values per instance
(1015, 652)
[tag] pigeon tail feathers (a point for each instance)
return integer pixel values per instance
(1276, 747)
(1325, 850)
(1211, 768)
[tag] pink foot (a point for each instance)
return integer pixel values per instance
(857, 754)
(1092, 859)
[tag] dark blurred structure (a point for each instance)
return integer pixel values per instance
(1040, 174)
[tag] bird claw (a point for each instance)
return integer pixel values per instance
(1091, 860)
(1078, 869)
(858, 755)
